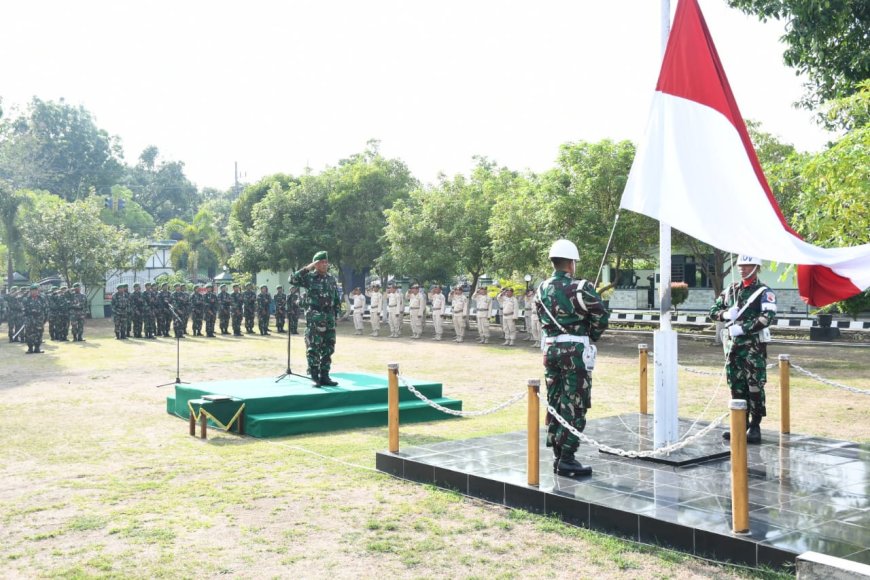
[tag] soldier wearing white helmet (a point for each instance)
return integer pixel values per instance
(571, 316)
(748, 308)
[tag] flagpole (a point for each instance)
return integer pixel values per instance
(665, 340)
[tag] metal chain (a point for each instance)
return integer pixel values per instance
(667, 449)
(829, 382)
(456, 413)
(699, 372)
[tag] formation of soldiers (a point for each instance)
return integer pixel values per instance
(151, 310)
(26, 310)
(390, 306)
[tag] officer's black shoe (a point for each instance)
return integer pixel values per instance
(570, 467)
(726, 436)
(29, 350)
(326, 381)
(37, 351)
(753, 435)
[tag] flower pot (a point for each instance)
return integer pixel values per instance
(825, 320)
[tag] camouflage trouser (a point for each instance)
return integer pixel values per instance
(224, 320)
(33, 333)
(63, 326)
(121, 325)
(569, 392)
(320, 344)
(293, 323)
(149, 325)
(77, 325)
(249, 319)
(263, 321)
(179, 325)
(209, 323)
(196, 319)
(280, 315)
(137, 325)
(237, 322)
(747, 375)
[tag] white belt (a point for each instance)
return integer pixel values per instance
(566, 338)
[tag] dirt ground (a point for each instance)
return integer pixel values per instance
(97, 480)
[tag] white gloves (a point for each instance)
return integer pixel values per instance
(731, 313)
(735, 331)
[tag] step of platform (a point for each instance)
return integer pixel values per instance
(373, 415)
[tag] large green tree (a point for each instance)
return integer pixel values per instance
(11, 204)
(826, 39)
(161, 187)
(56, 147)
(199, 244)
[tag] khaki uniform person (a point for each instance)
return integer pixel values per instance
(377, 300)
(394, 311)
(482, 303)
(417, 309)
(358, 304)
(438, 303)
(459, 304)
(509, 308)
(533, 323)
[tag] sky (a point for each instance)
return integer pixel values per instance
(284, 85)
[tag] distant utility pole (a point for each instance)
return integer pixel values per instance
(237, 187)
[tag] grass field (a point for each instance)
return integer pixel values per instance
(96, 480)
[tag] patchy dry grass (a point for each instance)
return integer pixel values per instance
(96, 480)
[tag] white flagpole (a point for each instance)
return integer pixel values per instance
(665, 339)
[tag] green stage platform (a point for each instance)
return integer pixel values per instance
(292, 406)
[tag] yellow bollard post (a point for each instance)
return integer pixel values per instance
(739, 477)
(393, 405)
(533, 468)
(784, 401)
(643, 350)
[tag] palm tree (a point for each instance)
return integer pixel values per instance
(198, 243)
(10, 204)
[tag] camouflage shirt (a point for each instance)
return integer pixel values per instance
(322, 301)
(577, 309)
(757, 316)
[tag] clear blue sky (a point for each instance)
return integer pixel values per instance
(278, 86)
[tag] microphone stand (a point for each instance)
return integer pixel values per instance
(289, 371)
(178, 380)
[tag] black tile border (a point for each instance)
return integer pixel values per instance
(526, 498)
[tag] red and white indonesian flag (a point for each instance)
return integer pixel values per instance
(696, 170)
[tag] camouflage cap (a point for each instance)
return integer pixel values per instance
(136, 285)
(123, 285)
(237, 286)
(223, 286)
(34, 286)
(264, 287)
(76, 285)
(321, 255)
(279, 287)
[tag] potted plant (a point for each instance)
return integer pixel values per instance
(679, 294)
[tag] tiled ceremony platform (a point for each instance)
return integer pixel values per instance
(805, 493)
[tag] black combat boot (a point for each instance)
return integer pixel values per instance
(315, 378)
(753, 434)
(727, 434)
(29, 349)
(570, 467)
(36, 350)
(326, 381)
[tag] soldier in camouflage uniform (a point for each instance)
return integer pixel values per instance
(51, 304)
(63, 314)
(571, 315)
(238, 308)
(164, 315)
(264, 301)
(121, 311)
(35, 308)
(249, 301)
(293, 311)
(178, 304)
(225, 309)
(211, 309)
(137, 309)
(748, 308)
(78, 309)
(149, 310)
(322, 303)
(280, 309)
(197, 309)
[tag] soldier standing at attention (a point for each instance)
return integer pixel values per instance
(293, 310)
(509, 309)
(63, 314)
(280, 309)
(121, 311)
(264, 301)
(416, 311)
(211, 308)
(164, 316)
(438, 303)
(149, 309)
(225, 309)
(249, 300)
(51, 305)
(482, 303)
(185, 306)
(358, 307)
(322, 303)
(78, 309)
(459, 306)
(571, 315)
(238, 301)
(137, 310)
(393, 312)
(197, 309)
(178, 303)
(35, 310)
(376, 300)
(749, 308)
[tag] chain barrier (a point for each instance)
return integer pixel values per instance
(699, 371)
(830, 383)
(667, 449)
(456, 413)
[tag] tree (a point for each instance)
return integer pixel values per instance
(68, 238)
(11, 204)
(56, 147)
(125, 212)
(199, 244)
(826, 40)
(161, 187)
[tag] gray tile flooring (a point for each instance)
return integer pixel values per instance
(805, 493)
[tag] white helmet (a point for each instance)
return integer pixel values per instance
(564, 249)
(748, 261)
